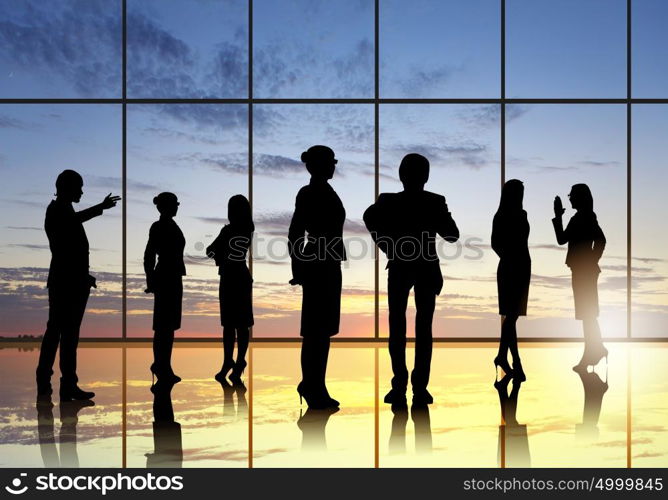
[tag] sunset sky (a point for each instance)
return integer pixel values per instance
(317, 49)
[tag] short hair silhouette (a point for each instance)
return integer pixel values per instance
(582, 198)
(512, 194)
(316, 157)
(165, 200)
(414, 170)
(67, 180)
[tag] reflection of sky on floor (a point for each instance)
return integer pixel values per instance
(557, 421)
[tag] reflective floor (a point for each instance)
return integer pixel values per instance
(610, 418)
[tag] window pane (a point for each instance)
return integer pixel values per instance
(650, 257)
(283, 133)
(60, 49)
(440, 49)
(198, 152)
(37, 143)
(550, 148)
(186, 49)
(565, 49)
(462, 145)
(650, 48)
(307, 48)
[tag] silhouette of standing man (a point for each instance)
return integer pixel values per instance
(69, 284)
(404, 226)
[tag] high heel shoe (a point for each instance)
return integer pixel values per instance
(599, 354)
(228, 365)
(315, 400)
(238, 370)
(591, 359)
(503, 363)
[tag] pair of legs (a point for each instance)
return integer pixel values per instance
(508, 342)
(230, 335)
(585, 295)
(321, 312)
(422, 423)
(67, 305)
(399, 287)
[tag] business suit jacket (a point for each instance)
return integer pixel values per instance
(68, 243)
(396, 219)
(320, 213)
(166, 243)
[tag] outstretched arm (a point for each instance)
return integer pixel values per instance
(88, 213)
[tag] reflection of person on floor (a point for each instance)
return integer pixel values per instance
(69, 284)
(586, 243)
(422, 423)
(229, 391)
(313, 424)
(404, 226)
(398, 434)
(69, 418)
(229, 250)
(167, 443)
(594, 390)
(513, 437)
(164, 279)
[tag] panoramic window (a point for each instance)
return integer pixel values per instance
(213, 98)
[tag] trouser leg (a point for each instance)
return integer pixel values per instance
(69, 340)
(397, 296)
(425, 302)
(51, 338)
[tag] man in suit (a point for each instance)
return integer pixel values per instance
(68, 283)
(404, 226)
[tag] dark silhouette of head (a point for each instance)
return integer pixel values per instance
(167, 204)
(320, 162)
(239, 211)
(69, 186)
(414, 172)
(581, 198)
(512, 195)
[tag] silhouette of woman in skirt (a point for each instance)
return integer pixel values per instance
(229, 250)
(510, 236)
(586, 243)
(316, 266)
(165, 280)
